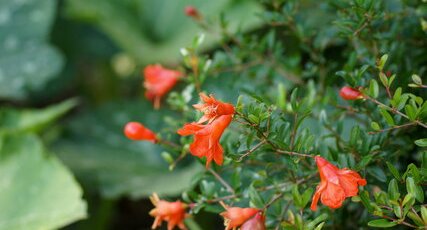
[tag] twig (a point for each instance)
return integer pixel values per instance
(394, 110)
(392, 128)
(222, 181)
(291, 153)
(251, 150)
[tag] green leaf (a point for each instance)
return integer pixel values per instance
(411, 112)
(375, 126)
(27, 62)
(388, 118)
(373, 88)
(414, 217)
(382, 62)
(37, 191)
(99, 154)
(416, 79)
(255, 198)
(393, 190)
(384, 79)
(414, 190)
(393, 170)
(154, 31)
(421, 142)
(32, 120)
(381, 223)
(424, 213)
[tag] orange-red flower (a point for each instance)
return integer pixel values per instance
(335, 184)
(213, 108)
(158, 81)
(255, 223)
(206, 138)
(138, 132)
(348, 93)
(171, 212)
(235, 216)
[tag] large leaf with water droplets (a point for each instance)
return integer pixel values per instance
(95, 148)
(154, 31)
(27, 61)
(37, 191)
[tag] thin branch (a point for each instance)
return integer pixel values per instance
(393, 128)
(222, 181)
(251, 150)
(395, 111)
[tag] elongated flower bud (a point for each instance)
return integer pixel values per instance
(138, 132)
(348, 93)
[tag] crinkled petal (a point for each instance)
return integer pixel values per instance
(333, 196)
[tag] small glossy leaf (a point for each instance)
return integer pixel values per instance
(381, 223)
(421, 142)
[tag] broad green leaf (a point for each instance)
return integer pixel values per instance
(381, 223)
(388, 118)
(421, 142)
(32, 120)
(393, 190)
(95, 148)
(27, 62)
(154, 31)
(37, 191)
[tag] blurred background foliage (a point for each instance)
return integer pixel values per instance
(93, 51)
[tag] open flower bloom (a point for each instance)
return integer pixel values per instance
(171, 212)
(348, 93)
(335, 184)
(212, 108)
(206, 138)
(138, 132)
(158, 81)
(235, 216)
(255, 223)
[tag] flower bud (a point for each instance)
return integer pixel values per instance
(138, 132)
(191, 11)
(348, 93)
(255, 223)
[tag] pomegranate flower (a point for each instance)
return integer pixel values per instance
(171, 212)
(212, 108)
(206, 138)
(255, 223)
(235, 216)
(158, 81)
(348, 93)
(335, 184)
(138, 132)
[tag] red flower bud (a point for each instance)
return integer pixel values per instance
(348, 93)
(191, 11)
(255, 223)
(138, 132)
